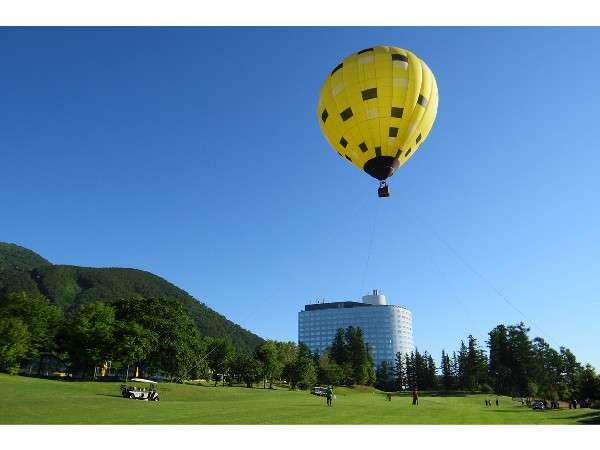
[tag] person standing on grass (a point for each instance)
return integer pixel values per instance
(415, 396)
(497, 402)
(329, 394)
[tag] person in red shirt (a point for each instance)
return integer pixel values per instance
(415, 396)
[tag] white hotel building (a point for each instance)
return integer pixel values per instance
(386, 328)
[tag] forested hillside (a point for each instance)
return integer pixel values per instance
(16, 264)
(69, 287)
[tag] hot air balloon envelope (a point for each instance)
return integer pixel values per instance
(377, 107)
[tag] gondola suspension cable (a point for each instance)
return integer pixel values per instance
(443, 275)
(369, 247)
(329, 235)
(252, 313)
(483, 278)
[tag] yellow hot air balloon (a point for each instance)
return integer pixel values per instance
(377, 107)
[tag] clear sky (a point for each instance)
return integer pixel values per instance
(196, 154)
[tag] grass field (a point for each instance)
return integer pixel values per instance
(37, 401)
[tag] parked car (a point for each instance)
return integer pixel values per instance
(141, 390)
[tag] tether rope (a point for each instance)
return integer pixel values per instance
(483, 278)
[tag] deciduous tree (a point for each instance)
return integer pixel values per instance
(267, 356)
(14, 343)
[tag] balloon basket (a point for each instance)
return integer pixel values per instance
(384, 190)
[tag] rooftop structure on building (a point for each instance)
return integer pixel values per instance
(387, 329)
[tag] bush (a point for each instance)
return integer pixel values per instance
(13, 370)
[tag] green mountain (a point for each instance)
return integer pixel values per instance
(71, 286)
(16, 264)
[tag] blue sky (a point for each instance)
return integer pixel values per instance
(196, 154)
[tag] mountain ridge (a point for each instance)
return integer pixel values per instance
(71, 286)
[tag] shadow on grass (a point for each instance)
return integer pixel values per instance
(590, 418)
(237, 386)
(50, 377)
(73, 380)
(111, 395)
(514, 411)
(432, 394)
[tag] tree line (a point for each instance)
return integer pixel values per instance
(346, 362)
(160, 337)
(151, 332)
(513, 365)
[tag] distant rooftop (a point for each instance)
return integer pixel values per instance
(334, 305)
(374, 299)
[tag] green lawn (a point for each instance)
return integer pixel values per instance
(37, 401)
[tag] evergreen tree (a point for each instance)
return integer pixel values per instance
(359, 356)
(420, 369)
(571, 368)
(547, 368)
(588, 383)
(304, 374)
(447, 381)
(384, 378)
(455, 371)
(476, 365)
(350, 353)
(519, 366)
(399, 372)
(411, 375)
(462, 370)
(431, 381)
(500, 360)
(338, 351)
(521, 358)
(371, 375)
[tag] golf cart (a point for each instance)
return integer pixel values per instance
(147, 390)
(319, 390)
(539, 404)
